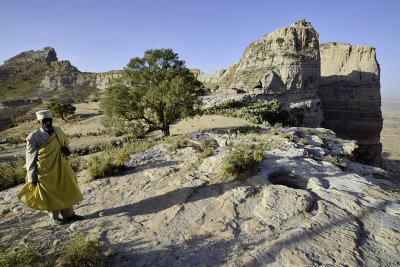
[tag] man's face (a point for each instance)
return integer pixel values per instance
(47, 124)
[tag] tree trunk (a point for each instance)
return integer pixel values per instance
(165, 128)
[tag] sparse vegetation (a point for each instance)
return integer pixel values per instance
(287, 136)
(258, 112)
(303, 141)
(12, 173)
(242, 160)
(82, 252)
(18, 255)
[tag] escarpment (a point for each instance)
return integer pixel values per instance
(333, 85)
(350, 94)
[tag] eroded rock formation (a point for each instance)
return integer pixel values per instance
(285, 65)
(350, 94)
(290, 65)
(63, 76)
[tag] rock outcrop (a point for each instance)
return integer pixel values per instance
(335, 81)
(173, 208)
(350, 95)
(46, 55)
(40, 72)
(62, 76)
(285, 65)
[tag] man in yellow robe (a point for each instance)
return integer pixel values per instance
(51, 183)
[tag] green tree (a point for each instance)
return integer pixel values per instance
(156, 90)
(61, 110)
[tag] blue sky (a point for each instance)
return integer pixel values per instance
(100, 36)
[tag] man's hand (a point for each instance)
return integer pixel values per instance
(65, 151)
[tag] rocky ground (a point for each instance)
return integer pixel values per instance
(174, 208)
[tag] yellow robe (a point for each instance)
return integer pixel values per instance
(57, 187)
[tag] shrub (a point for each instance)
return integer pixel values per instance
(287, 136)
(258, 112)
(18, 255)
(81, 252)
(112, 159)
(77, 163)
(14, 142)
(208, 151)
(303, 141)
(242, 159)
(273, 132)
(101, 165)
(12, 173)
(61, 110)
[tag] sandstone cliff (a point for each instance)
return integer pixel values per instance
(63, 76)
(285, 65)
(350, 94)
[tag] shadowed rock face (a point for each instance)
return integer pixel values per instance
(350, 95)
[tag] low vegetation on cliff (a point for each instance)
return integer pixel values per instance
(257, 112)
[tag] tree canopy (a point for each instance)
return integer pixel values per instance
(156, 90)
(62, 111)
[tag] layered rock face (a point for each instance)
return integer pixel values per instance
(350, 94)
(284, 64)
(63, 76)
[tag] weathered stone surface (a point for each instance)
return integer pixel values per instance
(172, 208)
(350, 94)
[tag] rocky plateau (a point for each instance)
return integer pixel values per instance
(174, 208)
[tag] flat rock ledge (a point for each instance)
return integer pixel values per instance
(172, 208)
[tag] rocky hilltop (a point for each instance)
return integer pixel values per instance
(351, 99)
(37, 72)
(34, 77)
(308, 205)
(335, 85)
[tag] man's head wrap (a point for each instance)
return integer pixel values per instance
(43, 114)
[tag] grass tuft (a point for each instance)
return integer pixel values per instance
(12, 173)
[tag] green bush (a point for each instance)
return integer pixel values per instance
(12, 173)
(208, 151)
(18, 255)
(303, 141)
(111, 160)
(77, 163)
(257, 112)
(81, 252)
(62, 111)
(242, 159)
(287, 136)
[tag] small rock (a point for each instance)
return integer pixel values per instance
(56, 243)
(17, 209)
(72, 227)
